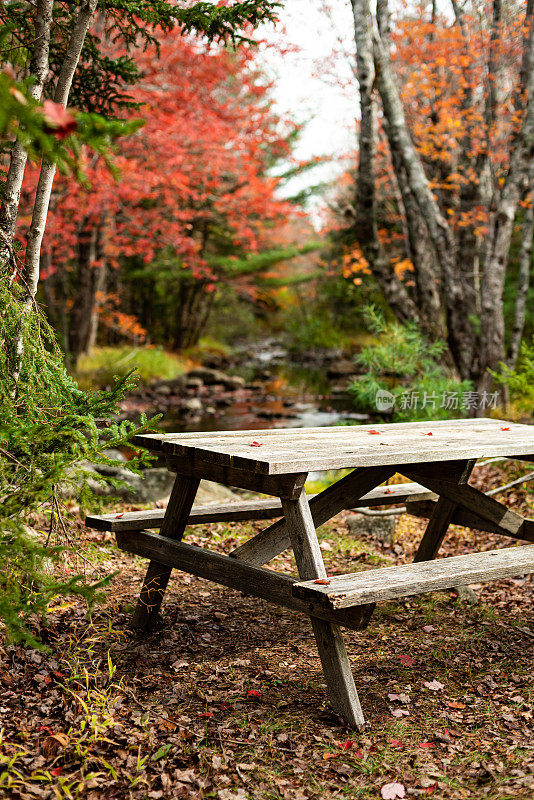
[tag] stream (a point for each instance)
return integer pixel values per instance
(291, 394)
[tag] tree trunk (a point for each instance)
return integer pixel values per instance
(194, 306)
(39, 67)
(459, 326)
(48, 170)
(523, 282)
(90, 279)
(366, 229)
(496, 261)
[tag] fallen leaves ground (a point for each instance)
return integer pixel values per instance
(228, 701)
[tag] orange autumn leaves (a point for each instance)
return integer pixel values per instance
(441, 68)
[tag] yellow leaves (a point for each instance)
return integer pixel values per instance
(354, 262)
(400, 266)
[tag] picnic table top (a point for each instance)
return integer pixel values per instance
(281, 451)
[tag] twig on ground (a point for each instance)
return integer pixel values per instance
(528, 477)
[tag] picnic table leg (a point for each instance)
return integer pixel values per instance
(157, 577)
(334, 659)
(436, 528)
(439, 522)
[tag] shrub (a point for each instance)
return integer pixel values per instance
(48, 427)
(103, 364)
(404, 375)
(520, 381)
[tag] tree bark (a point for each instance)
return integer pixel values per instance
(46, 176)
(496, 261)
(523, 283)
(90, 277)
(365, 225)
(39, 67)
(459, 326)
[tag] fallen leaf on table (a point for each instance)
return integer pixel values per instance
(505, 429)
(257, 444)
(428, 434)
(322, 582)
(392, 790)
(377, 433)
(434, 685)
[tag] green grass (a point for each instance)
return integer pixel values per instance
(151, 363)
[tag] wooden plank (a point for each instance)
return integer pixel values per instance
(443, 511)
(286, 485)
(472, 499)
(270, 508)
(436, 529)
(334, 659)
(343, 494)
(283, 451)
(410, 579)
(469, 519)
(256, 581)
(157, 577)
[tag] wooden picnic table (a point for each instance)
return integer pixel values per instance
(437, 457)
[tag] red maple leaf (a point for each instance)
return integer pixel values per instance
(257, 444)
(505, 429)
(322, 581)
(58, 120)
(377, 433)
(406, 661)
(253, 693)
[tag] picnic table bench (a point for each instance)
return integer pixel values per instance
(436, 457)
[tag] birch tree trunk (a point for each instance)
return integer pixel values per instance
(461, 337)
(365, 217)
(39, 68)
(523, 279)
(46, 176)
(496, 261)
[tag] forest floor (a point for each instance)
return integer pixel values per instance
(227, 699)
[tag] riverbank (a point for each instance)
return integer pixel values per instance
(258, 386)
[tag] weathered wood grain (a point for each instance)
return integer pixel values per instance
(345, 493)
(332, 652)
(157, 577)
(284, 485)
(410, 579)
(256, 581)
(270, 508)
(469, 498)
(469, 519)
(288, 450)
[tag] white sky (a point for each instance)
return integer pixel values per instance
(314, 83)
